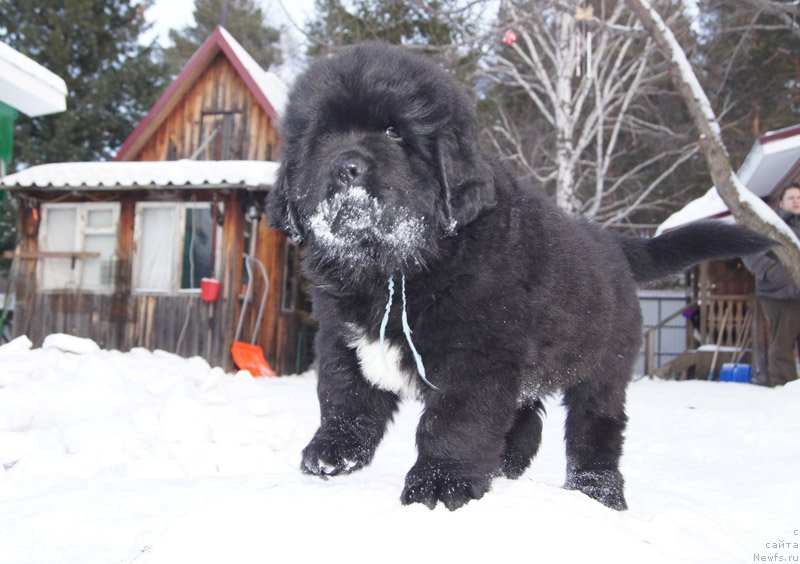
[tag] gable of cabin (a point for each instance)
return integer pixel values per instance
(219, 116)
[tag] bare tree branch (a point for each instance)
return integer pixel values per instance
(644, 194)
(787, 12)
(788, 8)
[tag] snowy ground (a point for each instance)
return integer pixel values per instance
(146, 457)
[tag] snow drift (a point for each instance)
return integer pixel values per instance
(147, 457)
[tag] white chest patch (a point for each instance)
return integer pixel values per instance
(384, 375)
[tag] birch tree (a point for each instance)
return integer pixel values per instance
(584, 78)
(747, 208)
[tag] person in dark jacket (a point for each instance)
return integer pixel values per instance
(779, 296)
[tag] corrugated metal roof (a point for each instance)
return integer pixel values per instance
(258, 175)
(269, 83)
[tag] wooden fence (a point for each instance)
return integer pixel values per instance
(725, 321)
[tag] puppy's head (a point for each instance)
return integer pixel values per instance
(380, 161)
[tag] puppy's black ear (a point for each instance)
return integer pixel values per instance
(280, 211)
(467, 180)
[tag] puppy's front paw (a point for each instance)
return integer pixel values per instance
(606, 486)
(431, 481)
(335, 452)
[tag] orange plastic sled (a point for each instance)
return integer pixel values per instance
(249, 356)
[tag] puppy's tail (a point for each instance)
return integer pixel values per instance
(653, 259)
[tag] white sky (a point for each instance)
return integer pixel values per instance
(286, 15)
(172, 14)
(169, 14)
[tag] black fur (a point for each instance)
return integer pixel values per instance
(653, 259)
(508, 298)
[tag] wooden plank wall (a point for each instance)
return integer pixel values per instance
(150, 321)
(218, 90)
(281, 328)
(154, 322)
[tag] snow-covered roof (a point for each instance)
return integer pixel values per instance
(707, 206)
(29, 87)
(269, 83)
(117, 175)
(772, 157)
(266, 87)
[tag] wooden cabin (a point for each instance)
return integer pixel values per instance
(728, 313)
(116, 251)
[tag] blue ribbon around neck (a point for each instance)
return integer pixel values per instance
(406, 332)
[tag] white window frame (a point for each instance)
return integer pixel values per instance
(179, 227)
(82, 229)
(137, 242)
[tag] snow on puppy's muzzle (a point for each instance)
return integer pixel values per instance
(354, 225)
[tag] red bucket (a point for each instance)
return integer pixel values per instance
(209, 289)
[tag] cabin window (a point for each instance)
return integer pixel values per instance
(78, 231)
(174, 246)
(221, 135)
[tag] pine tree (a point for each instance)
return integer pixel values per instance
(751, 65)
(112, 79)
(392, 21)
(244, 20)
(442, 28)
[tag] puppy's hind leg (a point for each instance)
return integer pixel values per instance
(523, 440)
(594, 435)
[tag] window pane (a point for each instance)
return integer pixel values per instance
(59, 237)
(155, 249)
(197, 255)
(100, 218)
(98, 273)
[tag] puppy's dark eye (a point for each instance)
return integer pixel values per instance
(392, 133)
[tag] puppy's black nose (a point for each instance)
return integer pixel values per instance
(348, 169)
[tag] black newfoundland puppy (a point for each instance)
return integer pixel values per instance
(437, 276)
